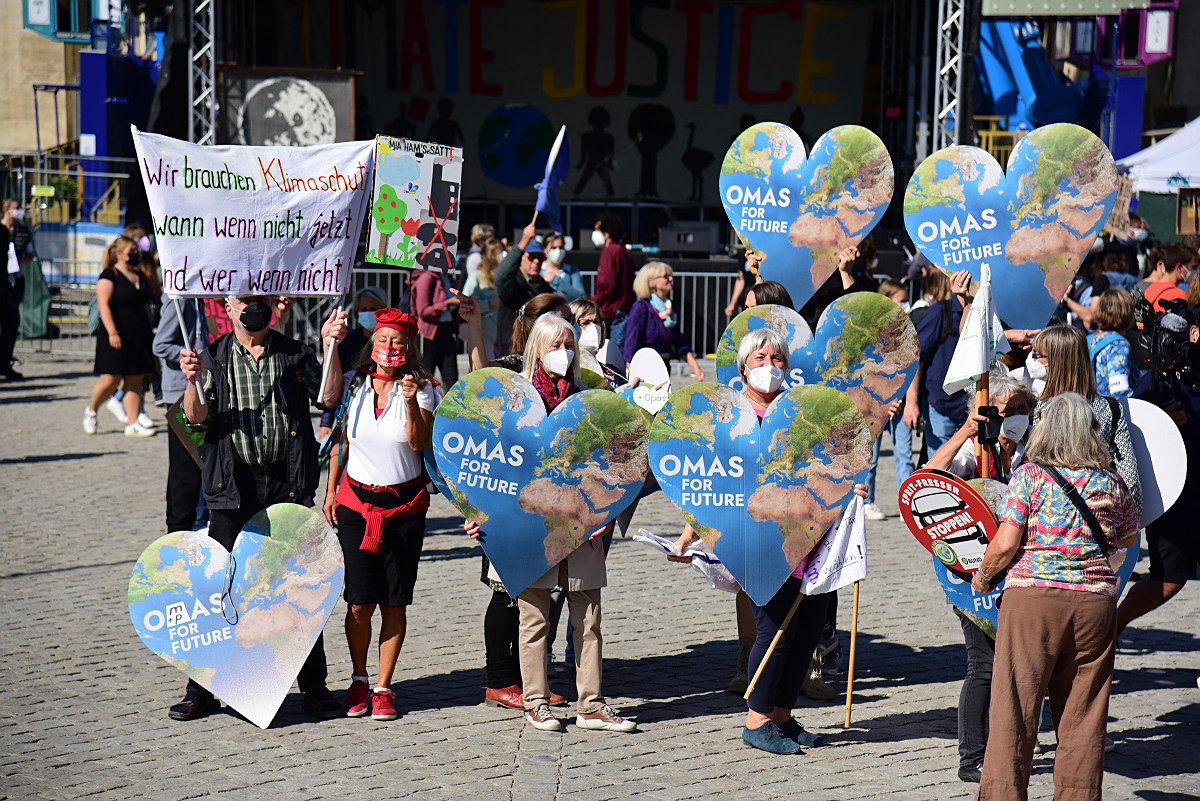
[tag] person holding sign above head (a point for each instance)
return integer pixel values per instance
(550, 365)
(653, 323)
(769, 292)
(518, 280)
(762, 361)
(378, 502)
(1066, 510)
(259, 447)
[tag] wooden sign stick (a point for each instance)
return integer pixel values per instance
(982, 454)
(771, 648)
(853, 650)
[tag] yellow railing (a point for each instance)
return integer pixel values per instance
(995, 138)
(63, 169)
(108, 208)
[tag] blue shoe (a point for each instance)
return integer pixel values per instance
(769, 738)
(795, 732)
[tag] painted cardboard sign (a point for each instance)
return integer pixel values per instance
(799, 212)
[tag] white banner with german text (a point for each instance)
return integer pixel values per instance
(242, 220)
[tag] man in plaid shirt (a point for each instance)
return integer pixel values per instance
(259, 447)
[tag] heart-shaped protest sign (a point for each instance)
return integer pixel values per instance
(1033, 225)
(538, 484)
(653, 381)
(241, 624)
(760, 497)
(948, 517)
(800, 212)
(980, 607)
(865, 345)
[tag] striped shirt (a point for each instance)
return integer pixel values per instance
(258, 423)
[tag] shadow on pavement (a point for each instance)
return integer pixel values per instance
(50, 457)
(1139, 753)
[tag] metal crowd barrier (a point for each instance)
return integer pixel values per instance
(699, 298)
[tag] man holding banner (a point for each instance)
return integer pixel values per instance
(259, 447)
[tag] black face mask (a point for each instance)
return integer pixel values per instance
(256, 316)
(134, 259)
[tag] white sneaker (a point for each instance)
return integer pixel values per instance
(89, 421)
(873, 512)
(144, 421)
(605, 719)
(543, 719)
(138, 430)
(117, 409)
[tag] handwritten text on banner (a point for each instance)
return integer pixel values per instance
(235, 220)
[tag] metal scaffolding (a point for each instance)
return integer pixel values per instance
(950, 86)
(202, 72)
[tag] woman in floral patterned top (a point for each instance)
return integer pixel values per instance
(1108, 347)
(1057, 627)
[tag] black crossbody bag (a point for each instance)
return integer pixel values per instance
(1077, 501)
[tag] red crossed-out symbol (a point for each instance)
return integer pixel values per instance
(437, 235)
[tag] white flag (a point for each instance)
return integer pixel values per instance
(981, 341)
(840, 559)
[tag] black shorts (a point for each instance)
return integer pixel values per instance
(386, 578)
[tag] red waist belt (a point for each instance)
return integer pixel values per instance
(378, 517)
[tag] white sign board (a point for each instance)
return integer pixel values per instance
(242, 220)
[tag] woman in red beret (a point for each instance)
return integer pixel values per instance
(377, 499)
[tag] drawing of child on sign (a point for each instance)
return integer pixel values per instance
(414, 213)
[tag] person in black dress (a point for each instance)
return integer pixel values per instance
(124, 336)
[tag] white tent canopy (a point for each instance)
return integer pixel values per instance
(1168, 164)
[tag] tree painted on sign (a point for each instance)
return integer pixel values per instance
(390, 210)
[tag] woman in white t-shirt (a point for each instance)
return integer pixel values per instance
(378, 500)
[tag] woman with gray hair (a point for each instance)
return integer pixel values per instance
(653, 321)
(550, 364)
(1015, 401)
(1066, 510)
(762, 362)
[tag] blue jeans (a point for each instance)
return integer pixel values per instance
(939, 428)
(901, 454)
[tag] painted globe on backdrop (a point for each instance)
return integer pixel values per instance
(514, 143)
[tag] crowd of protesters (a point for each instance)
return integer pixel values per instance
(1064, 450)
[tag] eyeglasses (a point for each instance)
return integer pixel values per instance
(1034, 354)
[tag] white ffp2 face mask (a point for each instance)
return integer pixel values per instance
(589, 340)
(1034, 368)
(558, 362)
(767, 378)
(556, 255)
(1014, 426)
(598, 238)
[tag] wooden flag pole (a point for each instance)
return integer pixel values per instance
(853, 651)
(771, 648)
(982, 454)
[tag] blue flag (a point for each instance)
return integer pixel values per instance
(558, 164)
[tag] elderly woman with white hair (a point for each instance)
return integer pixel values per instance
(762, 362)
(654, 322)
(1015, 401)
(1066, 510)
(550, 365)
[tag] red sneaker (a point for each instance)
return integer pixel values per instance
(382, 707)
(357, 699)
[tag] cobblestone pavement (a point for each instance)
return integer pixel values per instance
(83, 702)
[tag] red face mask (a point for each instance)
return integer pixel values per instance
(386, 356)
